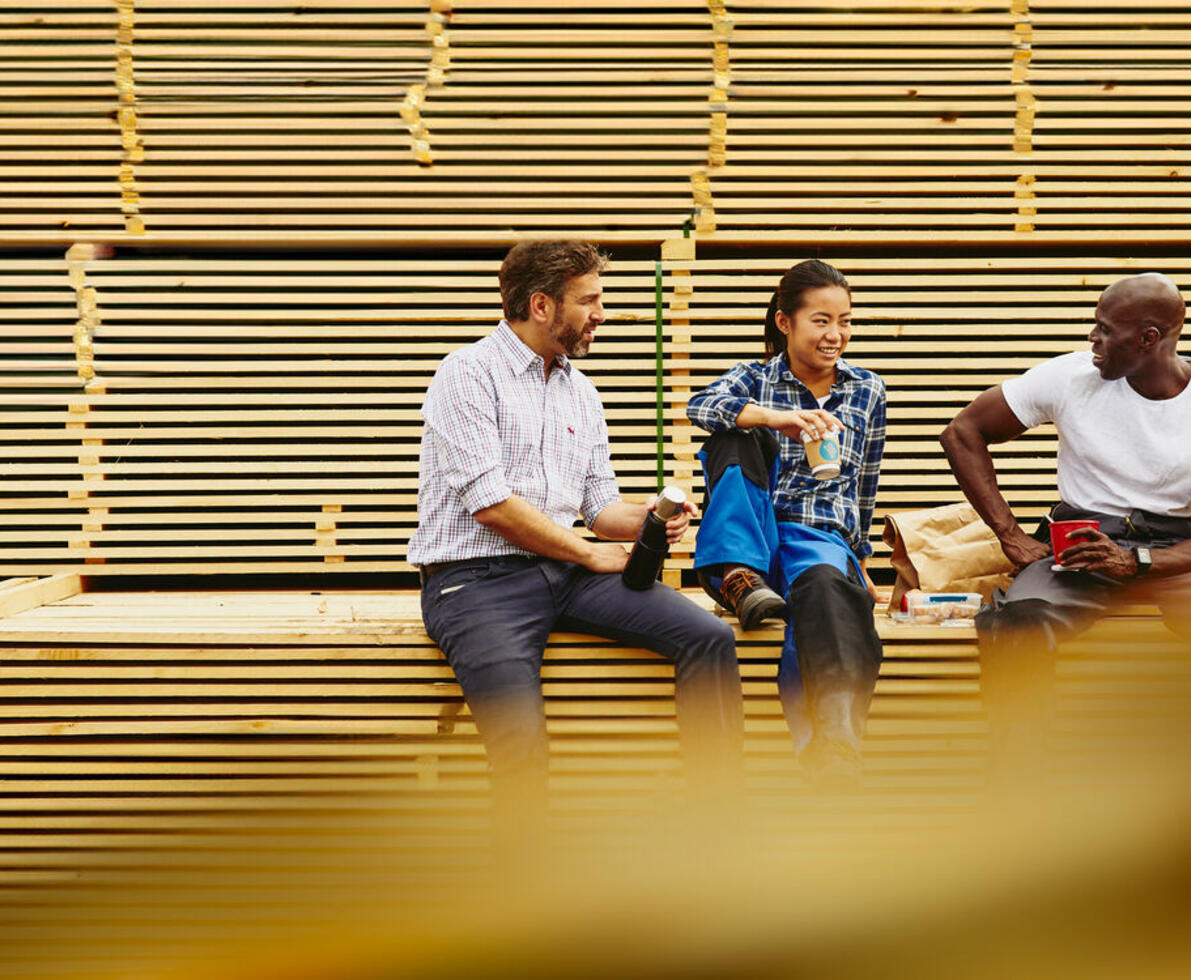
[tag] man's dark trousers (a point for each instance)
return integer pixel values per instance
(491, 617)
(1020, 632)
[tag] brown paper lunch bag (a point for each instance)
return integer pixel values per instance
(944, 549)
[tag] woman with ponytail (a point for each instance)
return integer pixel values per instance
(776, 541)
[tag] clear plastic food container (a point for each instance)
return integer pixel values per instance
(939, 607)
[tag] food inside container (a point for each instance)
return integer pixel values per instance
(939, 607)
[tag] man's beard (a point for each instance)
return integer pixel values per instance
(571, 338)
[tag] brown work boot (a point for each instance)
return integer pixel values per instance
(832, 761)
(751, 599)
(832, 765)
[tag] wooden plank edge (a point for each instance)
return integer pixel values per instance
(31, 593)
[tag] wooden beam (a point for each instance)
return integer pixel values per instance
(31, 593)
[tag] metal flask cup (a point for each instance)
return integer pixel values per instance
(650, 549)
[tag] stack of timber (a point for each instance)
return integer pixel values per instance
(212, 414)
(351, 675)
(208, 764)
(200, 414)
(1041, 121)
(415, 121)
(349, 122)
(130, 714)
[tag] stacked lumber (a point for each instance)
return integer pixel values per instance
(204, 413)
(339, 121)
(133, 720)
(342, 691)
(1026, 122)
(418, 121)
(238, 238)
(183, 414)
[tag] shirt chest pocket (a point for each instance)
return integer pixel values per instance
(520, 423)
(851, 440)
(569, 446)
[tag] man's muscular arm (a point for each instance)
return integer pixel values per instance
(987, 420)
(522, 524)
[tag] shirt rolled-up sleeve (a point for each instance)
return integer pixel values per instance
(460, 415)
(599, 485)
(716, 407)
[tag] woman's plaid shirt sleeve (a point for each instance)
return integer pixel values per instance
(716, 407)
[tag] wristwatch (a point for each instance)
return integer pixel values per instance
(1144, 562)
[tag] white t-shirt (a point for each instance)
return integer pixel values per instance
(1117, 450)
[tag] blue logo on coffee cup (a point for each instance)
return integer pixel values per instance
(829, 450)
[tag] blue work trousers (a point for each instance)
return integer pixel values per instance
(831, 643)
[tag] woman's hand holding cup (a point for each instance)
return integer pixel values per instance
(816, 423)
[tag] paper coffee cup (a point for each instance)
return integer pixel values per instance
(822, 455)
(1060, 534)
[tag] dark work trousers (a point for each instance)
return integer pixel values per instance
(831, 644)
(1020, 631)
(491, 618)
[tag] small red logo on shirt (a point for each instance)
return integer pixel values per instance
(570, 430)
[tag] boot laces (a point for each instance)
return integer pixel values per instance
(739, 583)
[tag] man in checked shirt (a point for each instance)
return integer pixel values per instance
(515, 446)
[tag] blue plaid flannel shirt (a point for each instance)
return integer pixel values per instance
(857, 399)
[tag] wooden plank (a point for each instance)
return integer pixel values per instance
(30, 594)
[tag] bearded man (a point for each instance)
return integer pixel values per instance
(514, 447)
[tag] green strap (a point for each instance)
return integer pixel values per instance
(658, 360)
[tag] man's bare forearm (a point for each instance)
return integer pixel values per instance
(522, 524)
(619, 521)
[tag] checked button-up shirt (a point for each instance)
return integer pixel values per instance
(496, 425)
(857, 399)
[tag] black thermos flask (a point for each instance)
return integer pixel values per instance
(650, 549)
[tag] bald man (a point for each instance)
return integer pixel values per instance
(1123, 413)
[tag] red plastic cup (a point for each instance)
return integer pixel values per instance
(1060, 534)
